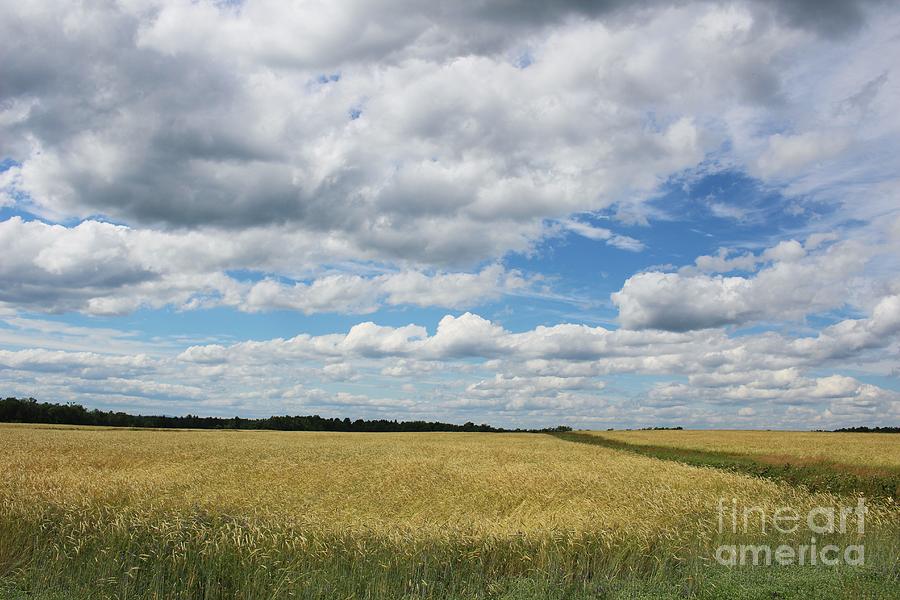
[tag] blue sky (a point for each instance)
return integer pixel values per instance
(604, 217)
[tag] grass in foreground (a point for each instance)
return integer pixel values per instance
(93, 513)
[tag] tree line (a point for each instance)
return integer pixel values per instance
(869, 430)
(29, 410)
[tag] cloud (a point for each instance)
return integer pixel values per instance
(825, 394)
(347, 157)
(356, 294)
(622, 242)
(87, 365)
(573, 350)
(455, 154)
(790, 154)
(470, 364)
(530, 393)
(727, 211)
(850, 336)
(390, 30)
(100, 268)
(829, 18)
(795, 283)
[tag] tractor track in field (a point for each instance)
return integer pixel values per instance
(814, 475)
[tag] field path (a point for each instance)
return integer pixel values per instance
(816, 474)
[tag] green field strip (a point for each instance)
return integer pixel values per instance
(816, 476)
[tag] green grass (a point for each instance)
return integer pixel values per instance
(714, 584)
(214, 558)
(818, 476)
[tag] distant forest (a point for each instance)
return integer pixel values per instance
(869, 430)
(15, 410)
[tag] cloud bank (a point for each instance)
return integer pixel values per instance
(502, 175)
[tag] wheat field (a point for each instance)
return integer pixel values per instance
(860, 449)
(260, 514)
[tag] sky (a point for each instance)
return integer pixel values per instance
(597, 214)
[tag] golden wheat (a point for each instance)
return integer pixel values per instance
(148, 513)
(863, 449)
(480, 483)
